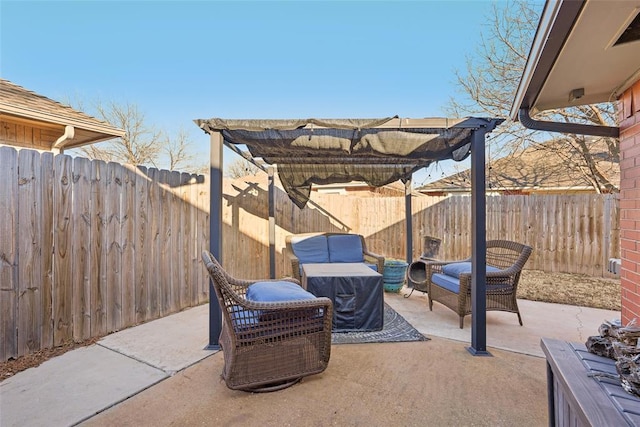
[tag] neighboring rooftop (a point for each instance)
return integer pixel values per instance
(20, 107)
(539, 169)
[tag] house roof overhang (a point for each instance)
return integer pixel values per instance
(575, 60)
(22, 106)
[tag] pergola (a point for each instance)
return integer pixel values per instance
(377, 151)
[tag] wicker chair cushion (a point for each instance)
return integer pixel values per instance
(277, 291)
(345, 248)
(456, 268)
(243, 319)
(445, 281)
(452, 284)
(246, 321)
(311, 249)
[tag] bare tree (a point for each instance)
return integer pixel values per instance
(142, 144)
(180, 157)
(489, 82)
(240, 167)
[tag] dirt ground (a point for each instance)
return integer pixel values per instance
(13, 366)
(561, 288)
(571, 289)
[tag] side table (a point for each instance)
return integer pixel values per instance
(356, 292)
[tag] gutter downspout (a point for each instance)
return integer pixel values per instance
(69, 134)
(577, 128)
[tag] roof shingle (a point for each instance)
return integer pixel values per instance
(18, 102)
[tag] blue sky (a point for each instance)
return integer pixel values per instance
(179, 61)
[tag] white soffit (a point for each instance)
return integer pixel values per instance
(590, 60)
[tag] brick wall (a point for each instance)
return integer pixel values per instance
(629, 121)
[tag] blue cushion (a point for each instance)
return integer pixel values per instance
(447, 282)
(277, 291)
(345, 248)
(312, 249)
(242, 318)
(374, 267)
(456, 268)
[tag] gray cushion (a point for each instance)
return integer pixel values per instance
(374, 267)
(456, 268)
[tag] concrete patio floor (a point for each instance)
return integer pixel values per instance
(159, 374)
(559, 321)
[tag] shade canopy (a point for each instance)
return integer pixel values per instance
(328, 151)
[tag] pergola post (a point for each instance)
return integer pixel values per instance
(272, 223)
(478, 245)
(408, 220)
(215, 233)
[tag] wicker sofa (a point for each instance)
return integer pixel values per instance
(328, 248)
(449, 282)
(273, 331)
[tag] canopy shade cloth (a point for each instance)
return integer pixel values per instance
(327, 151)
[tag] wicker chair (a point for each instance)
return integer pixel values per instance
(269, 346)
(505, 261)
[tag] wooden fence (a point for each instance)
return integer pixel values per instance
(568, 233)
(88, 247)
